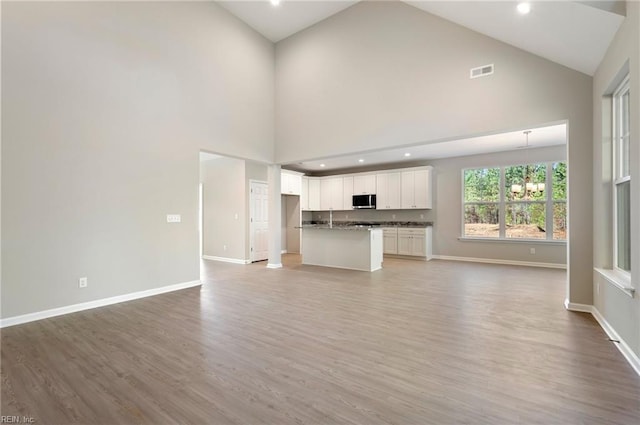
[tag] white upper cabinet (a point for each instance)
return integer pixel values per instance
(332, 193)
(290, 184)
(347, 193)
(314, 194)
(304, 194)
(364, 184)
(416, 189)
(409, 188)
(388, 191)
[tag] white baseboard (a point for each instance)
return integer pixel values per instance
(581, 308)
(39, 315)
(284, 251)
(226, 260)
(621, 345)
(274, 266)
(497, 261)
(624, 348)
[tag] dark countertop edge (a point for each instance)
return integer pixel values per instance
(380, 224)
(326, 227)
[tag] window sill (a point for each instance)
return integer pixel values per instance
(513, 240)
(617, 279)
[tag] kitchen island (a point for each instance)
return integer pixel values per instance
(344, 247)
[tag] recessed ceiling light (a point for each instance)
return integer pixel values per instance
(275, 2)
(361, 160)
(524, 8)
(322, 165)
(407, 154)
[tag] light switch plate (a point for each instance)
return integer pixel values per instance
(174, 218)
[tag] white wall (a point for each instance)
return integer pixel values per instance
(385, 74)
(224, 208)
(105, 107)
(621, 311)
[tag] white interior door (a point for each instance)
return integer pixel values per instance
(259, 228)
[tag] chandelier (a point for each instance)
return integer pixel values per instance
(530, 188)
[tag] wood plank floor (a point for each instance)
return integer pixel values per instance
(415, 343)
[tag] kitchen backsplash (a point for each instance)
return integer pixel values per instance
(371, 215)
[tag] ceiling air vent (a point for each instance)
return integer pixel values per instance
(481, 71)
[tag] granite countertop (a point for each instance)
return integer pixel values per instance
(359, 225)
(339, 227)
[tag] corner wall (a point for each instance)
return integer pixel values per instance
(621, 311)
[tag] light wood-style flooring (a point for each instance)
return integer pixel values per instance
(416, 343)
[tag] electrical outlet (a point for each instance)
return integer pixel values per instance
(235, 216)
(174, 218)
(82, 282)
(346, 216)
(421, 216)
(393, 216)
(532, 251)
(598, 288)
(224, 247)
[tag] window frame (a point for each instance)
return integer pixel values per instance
(503, 202)
(617, 157)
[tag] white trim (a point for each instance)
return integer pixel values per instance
(618, 279)
(580, 308)
(498, 261)
(39, 315)
(274, 266)
(284, 251)
(226, 260)
(512, 240)
(621, 344)
(624, 348)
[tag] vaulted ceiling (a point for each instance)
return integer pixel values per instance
(572, 33)
(575, 34)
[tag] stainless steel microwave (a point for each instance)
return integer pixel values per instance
(364, 201)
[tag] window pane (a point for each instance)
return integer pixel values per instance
(621, 134)
(559, 180)
(623, 224)
(625, 114)
(482, 184)
(560, 220)
(525, 182)
(525, 220)
(624, 156)
(481, 220)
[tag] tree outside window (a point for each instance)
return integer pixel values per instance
(525, 201)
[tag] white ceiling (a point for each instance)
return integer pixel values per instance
(574, 34)
(289, 17)
(570, 33)
(539, 137)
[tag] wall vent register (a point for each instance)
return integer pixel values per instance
(481, 71)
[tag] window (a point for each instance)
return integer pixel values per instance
(482, 202)
(621, 179)
(516, 202)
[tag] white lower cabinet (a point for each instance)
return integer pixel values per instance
(415, 242)
(390, 240)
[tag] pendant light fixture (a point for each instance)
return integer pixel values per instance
(530, 187)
